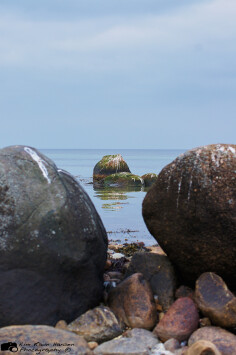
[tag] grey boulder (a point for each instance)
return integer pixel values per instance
(52, 242)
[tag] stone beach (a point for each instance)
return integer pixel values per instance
(66, 286)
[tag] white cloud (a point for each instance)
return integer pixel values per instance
(116, 42)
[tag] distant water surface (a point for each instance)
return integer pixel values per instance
(119, 209)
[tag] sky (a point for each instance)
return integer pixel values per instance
(135, 74)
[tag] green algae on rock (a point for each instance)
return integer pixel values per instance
(149, 179)
(123, 179)
(108, 165)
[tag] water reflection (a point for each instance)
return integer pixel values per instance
(117, 194)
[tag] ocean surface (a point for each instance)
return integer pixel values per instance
(120, 209)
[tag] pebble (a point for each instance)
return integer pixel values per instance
(159, 349)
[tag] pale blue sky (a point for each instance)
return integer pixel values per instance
(117, 73)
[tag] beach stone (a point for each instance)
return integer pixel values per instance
(203, 347)
(92, 345)
(215, 300)
(52, 242)
(43, 339)
(224, 341)
(133, 303)
(191, 211)
(182, 351)
(108, 264)
(61, 324)
(157, 269)
(123, 179)
(160, 349)
(204, 322)
(184, 291)
(149, 179)
(108, 165)
(172, 344)
(115, 275)
(99, 324)
(133, 342)
(179, 321)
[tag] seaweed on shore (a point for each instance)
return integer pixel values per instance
(129, 249)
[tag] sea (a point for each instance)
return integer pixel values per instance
(119, 208)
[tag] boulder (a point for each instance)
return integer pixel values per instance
(108, 165)
(149, 179)
(133, 342)
(179, 321)
(224, 341)
(99, 324)
(133, 303)
(158, 270)
(41, 339)
(52, 242)
(203, 347)
(191, 211)
(123, 179)
(215, 300)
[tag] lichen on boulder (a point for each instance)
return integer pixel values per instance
(108, 165)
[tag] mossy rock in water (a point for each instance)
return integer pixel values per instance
(123, 179)
(108, 165)
(149, 179)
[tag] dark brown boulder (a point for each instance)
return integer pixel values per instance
(222, 339)
(52, 242)
(179, 321)
(191, 211)
(156, 269)
(108, 165)
(41, 339)
(215, 300)
(133, 303)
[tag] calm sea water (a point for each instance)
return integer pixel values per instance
(119, 209)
